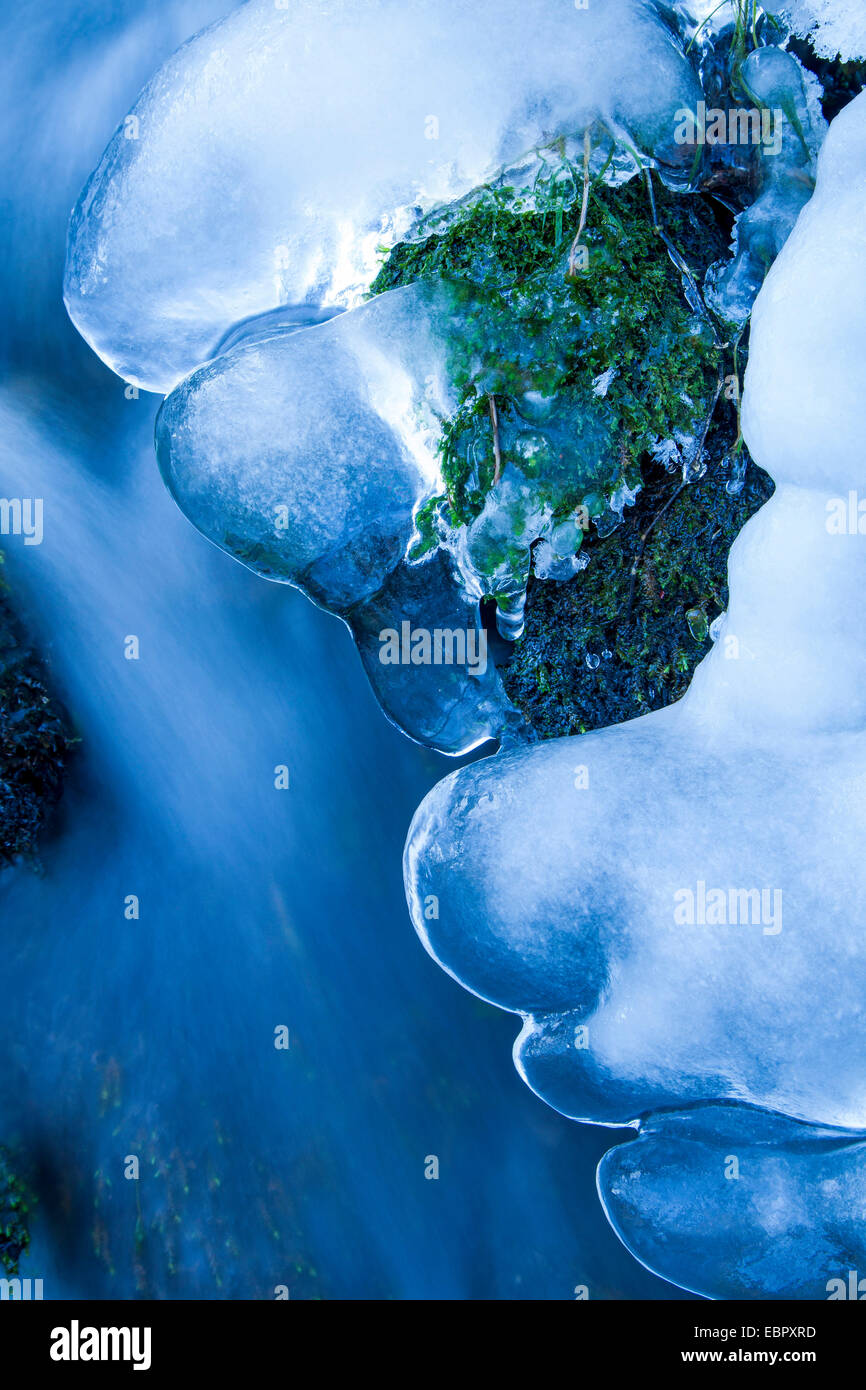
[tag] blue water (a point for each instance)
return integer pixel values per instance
(155, 1037)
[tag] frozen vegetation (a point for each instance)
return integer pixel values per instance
(422, 342)
(35, 743)
(14, 1209)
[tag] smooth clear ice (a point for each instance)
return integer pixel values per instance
(306, 455)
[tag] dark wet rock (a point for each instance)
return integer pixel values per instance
(35, 743)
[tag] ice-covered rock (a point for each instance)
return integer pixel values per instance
(675, 905)
(271, 156)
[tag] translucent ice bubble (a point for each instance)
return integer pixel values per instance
(698, 625)
(429, 661)
(735, 463)
(558, 555)
(305, 454)
(737, 1202)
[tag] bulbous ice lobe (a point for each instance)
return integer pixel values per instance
(299, 452)
(485, 899)
(267, 159)
(569, 903)
(803, 408)
(675, 905)
(305, 455)
(736, 1203)
(454, 704)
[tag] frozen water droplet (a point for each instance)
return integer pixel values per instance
(694, 466)
(735, 463)
(697, 621)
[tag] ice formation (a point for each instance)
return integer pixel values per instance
(834, 26)
(223, 219)
(741, 1203)
(267, 160)
(652, 898)
(305, 455)
(439, 683)
(775, 82)
(216, 244)
(674, 904)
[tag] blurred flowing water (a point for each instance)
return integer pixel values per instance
(258, 907)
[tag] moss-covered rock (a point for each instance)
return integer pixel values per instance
(590, 349)
(35, 743)
(629, 382)
(624, 636)
(15, 1202)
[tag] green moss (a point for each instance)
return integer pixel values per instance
(618, 309)
(545, 316)
(15, 1203)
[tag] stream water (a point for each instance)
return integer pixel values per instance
(154, 1036)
